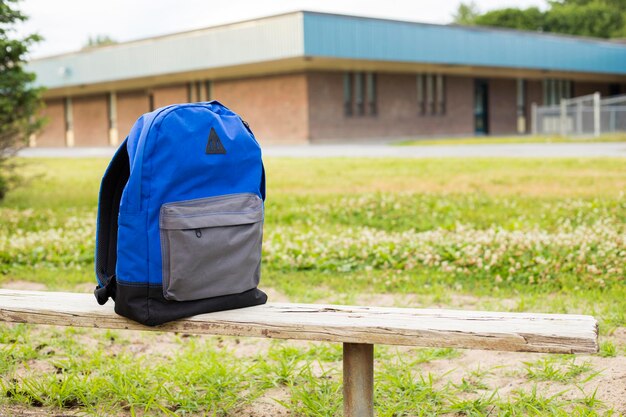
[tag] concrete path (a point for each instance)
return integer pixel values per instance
(530, 150)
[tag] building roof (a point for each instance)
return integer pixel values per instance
(378, 39)
(303, 39)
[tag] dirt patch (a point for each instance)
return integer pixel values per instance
(267, 405)
(34, 367)
(619, 335)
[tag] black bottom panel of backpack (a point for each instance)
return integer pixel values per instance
(146, 304)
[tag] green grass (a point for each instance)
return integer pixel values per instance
(608, 349)
(89, 378)
(560, 370)
(474, 381)
(484, 140)
(542, 235)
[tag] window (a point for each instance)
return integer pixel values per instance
(370, 79)
(421, 101)
(347, 94)
(441, 94)
(554, 90)
(360, 94)
(431, 94)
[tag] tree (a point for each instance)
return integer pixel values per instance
(466, 13)
(99, 40)
(524, 19)
(599, 19)
(595, 18)
(20, 100)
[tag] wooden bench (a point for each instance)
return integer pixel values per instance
(358, 328)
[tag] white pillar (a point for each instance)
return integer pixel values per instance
(533, 120)
(192, 97)
(69, 123)
(563, 118)
(113, 133)
(32, 138)
(596, 114)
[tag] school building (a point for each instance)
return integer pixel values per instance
(308, 77)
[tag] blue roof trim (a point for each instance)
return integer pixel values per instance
(352, 37)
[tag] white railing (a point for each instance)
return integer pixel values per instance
(581, 116)
(613, 117)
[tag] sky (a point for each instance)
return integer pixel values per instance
(67, 24)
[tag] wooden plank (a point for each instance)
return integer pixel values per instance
(358, 380)
(555, 333)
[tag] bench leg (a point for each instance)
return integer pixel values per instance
(358, 380)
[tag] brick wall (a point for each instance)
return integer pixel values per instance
(130, 105)
(91, 121)
(294, 108)
(398, 113)
(164, 96)
(502, 106)
(274, 106)
(53, 133)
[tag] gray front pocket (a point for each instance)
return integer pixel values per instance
(211, 246)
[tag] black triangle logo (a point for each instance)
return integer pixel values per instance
(214, 145)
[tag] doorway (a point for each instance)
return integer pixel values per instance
(481, 106)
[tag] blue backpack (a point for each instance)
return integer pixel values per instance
(180, 216)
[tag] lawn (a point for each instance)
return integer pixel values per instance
(541, 235)
(485, 140)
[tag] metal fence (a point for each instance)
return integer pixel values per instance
(613, 114)
(588, 115)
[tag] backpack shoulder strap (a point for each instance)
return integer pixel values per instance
(113, 183)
